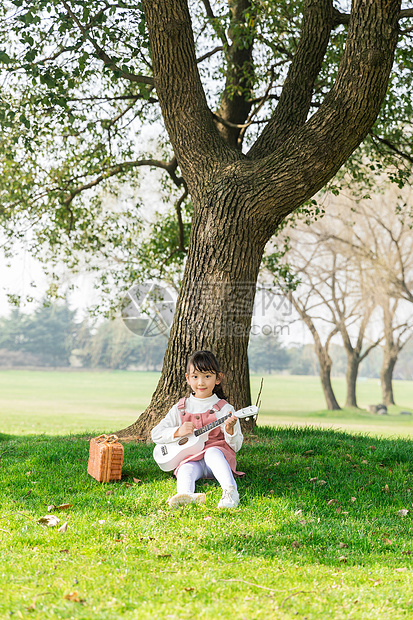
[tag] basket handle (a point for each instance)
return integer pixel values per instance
(106, 438)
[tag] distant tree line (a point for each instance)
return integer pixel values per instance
(51, 337)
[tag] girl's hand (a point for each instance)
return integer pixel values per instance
(187, 428)
(229, 424)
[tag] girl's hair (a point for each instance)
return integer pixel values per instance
(205, 361)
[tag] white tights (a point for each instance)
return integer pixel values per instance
(213, 465)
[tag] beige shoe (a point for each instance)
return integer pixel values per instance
(180, 499)
(230, 498)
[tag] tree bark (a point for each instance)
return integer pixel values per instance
(353, 363)
(386, 378)
(325, 376)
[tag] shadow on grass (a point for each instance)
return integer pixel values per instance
(310, 494)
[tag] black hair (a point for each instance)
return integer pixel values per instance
(205, 361)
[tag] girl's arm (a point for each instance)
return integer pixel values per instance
(232, 432)
(164, 432)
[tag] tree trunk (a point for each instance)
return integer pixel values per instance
(386, 377)
(325, 376)
(215, 304)
(353, 363)
(240, 200)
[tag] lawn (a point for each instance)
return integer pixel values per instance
(324, 527)
(73, 402)
(323, 530)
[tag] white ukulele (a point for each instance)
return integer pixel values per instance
(169, 455)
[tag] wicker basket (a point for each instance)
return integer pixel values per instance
(105, 458)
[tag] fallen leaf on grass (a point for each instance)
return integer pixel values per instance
(63, 528)
(208, 518)
(387, 541)
(372, 447)
(321, 482)
(400, 570)
(64, 551)
(386, 488)
(364, 462)
(353, 499)
(61, 507)
(49, 520)
(343, 545)
(74, 597)
(403, 512)
(189, 589)
(342, 558)
(137, 481)
(109, 492)
(64, 506)
(313, 479)
(295, 544)
(127, 484)
(298, 512)
(331, 501)
(338, 510)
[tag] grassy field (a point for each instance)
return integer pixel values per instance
(74, 402)
(323, 528)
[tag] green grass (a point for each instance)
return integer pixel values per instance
(74, 402)
(288, 551)
(317, 532)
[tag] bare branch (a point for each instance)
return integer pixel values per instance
(209, 54)
(391, 146)
(111, 171)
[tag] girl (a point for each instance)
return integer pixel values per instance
(217, 459)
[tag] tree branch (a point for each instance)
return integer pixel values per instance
(391, 146)
(344, 18)
(295, 99)
(236, 99)
(101, 54)
(209, 54)
(188, 120)
(314, 152)
(170, 167)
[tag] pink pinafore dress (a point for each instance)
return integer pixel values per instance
(216, 438)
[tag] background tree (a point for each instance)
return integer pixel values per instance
(377, 234)
(328, 298)
(77, 70)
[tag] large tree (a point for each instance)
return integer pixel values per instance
(320, 74)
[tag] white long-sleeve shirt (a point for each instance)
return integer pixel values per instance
(165, 430)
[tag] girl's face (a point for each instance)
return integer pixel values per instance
(202, 383)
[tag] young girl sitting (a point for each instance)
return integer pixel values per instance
(217, 459)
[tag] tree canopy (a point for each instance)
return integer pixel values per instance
(79, 93)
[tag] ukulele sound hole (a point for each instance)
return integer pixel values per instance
(182, 441)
